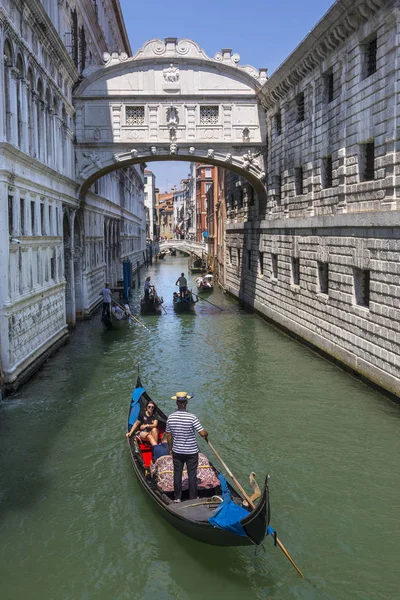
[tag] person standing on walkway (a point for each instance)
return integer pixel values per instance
(182, 282)
(181, 436)
(106, 293)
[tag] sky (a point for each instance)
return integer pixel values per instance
(263, 32)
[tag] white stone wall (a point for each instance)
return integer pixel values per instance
(53, 257)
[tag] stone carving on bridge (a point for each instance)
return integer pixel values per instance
(210, 153)
(228, 157)
(171, 74)
(90, 160)
(173, 148)
(153, 150)
(249, 160)
(192, 150)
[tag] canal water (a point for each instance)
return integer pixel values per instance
(75, 524)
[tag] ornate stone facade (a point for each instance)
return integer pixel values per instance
(55, 249)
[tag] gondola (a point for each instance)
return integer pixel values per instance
(151, 306)
(185, 304)
(173, 251)
(205, 283)
(115, 321)
(162, 255)
(191, 517)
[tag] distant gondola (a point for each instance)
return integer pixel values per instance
(191, 517)
(162, 255)
(185, 304)
(205, 283)
(117, 319)
(173, 251)
(151, 306)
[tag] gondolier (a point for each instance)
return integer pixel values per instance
(106, 293)
(182, 282)
(181, 435)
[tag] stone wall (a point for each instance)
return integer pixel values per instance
(324, 260)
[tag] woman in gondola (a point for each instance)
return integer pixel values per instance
(147, 424)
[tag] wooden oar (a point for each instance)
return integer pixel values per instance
(204, 300)
(251, 503)
(131, 315)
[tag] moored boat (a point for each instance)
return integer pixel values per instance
(205, 283)
(185, 304)
(152, 305)
(201, 518)
(162, 255)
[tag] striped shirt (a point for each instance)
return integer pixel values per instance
(183, 426)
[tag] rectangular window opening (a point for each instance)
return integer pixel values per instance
(323, 277)
(327, 175)
(134, 115)
(22, 216)
(249, 260)
(300, 107)
(370, 52)
(33, 216)
(42, 218)
(299, 181)
(261, 262)
(274, 266)
(10, 215)
(295, 271)
(278, 123)
(279, 189)
(329, 87)
(362, 287)
(367, 159)
(209, 115)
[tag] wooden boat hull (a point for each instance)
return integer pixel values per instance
(204, 289)
(150, 307)
(114, 323)
(181, 307)
(254, 525)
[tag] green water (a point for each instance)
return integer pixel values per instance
(75, 525)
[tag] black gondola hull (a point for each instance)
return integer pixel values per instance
(254, 525)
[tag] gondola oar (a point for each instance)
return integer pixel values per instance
(251, 503)
(131, 315)
(204, 300)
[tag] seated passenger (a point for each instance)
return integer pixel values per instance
(146, 424)
(161, 449)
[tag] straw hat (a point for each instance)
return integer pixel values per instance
(181, 396)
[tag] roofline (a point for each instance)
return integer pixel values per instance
(121, 23)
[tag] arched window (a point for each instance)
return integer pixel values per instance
(31, 118)
(48, 117)
(20, 91)
(63, 142)
(39, 119)
(56, 137)
(7, 88)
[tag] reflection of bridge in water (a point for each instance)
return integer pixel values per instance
(197, 249)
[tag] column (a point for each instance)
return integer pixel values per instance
(2, 91)
(43, 124)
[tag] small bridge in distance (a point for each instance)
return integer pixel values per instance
(197, 249)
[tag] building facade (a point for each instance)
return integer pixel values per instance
(204, 181)
(165, 212)
(150, 205)
(56, 250)
(323, 259)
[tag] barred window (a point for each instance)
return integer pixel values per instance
(208, 115)
(135, 115)
(370, 50)
(300, 107)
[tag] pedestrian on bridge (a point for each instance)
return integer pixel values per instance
(182, 282)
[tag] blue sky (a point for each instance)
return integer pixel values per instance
(263, 32)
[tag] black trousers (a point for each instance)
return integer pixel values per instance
(191, 460)
(106, 310)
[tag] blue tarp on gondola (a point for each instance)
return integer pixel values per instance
(135, 406)
(228, 515)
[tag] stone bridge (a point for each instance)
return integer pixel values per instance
(189, 247)
(171, 102)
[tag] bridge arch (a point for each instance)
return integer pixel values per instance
(170, 102)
